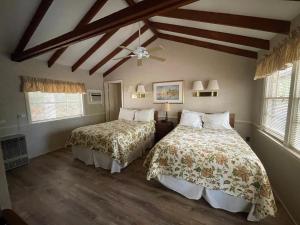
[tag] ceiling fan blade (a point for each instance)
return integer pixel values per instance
(154, 49)
(124, 47)
(157, 58)
(128, 56)
(139, 62)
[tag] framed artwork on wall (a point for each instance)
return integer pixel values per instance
(168, 92)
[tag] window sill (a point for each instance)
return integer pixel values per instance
(272, 134)
(28, 124)
(66, 118)
(57, 119)
(295, 153)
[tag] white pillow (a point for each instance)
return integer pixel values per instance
(126, 114)
(191, 119)
(199, 113)
(216, 121)
(145, 115)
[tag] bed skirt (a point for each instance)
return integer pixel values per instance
(100, 159)
(215, 198)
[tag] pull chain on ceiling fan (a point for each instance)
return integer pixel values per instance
(141, 52)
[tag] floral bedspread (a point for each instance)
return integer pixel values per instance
(215, 159)
(117, 138)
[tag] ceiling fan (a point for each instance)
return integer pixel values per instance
(142, 53)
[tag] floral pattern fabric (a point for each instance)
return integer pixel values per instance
(118, 138)
(218, 159)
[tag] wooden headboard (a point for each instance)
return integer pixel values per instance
(231, 118)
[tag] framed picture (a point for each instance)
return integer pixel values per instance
(168, 91)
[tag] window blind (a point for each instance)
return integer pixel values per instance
(276, 100)
(295, 123)
(51, 106)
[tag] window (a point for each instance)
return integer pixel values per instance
(276, 100)
(51, 106)
(281, 106)
(295, 121)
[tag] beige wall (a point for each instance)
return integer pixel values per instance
(188, 63)
(283, 167)
(41, 137)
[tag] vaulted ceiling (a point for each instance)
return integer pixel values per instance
(98, 27)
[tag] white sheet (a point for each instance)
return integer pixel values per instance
(100, 159)
(215, 198)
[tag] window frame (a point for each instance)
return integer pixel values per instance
(263, 111)
(55, 119)
(286, 141)
(269, 130)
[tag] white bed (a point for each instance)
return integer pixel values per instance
(114, 145)
(215, 163)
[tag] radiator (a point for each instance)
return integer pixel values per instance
(14, 151)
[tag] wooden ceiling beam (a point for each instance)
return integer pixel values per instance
(34, 23)
(92, 50)
(103, 39)
(127, 42)
(146, 21)
(96, 7)
(122, 61)
(256, 23)
(203, 44)
(215, 35)
(124, 17)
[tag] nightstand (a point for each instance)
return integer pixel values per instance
(162, 129)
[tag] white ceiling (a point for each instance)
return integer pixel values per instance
(273, 9)
(64, 15)
(211, 41)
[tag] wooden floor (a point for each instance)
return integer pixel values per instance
(56, 190)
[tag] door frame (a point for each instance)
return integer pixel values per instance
(106, 86)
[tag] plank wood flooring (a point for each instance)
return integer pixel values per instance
(57, 190)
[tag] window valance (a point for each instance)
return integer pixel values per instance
(32, 84)
(280, 58)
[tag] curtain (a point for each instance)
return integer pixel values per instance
(32, 84)
(281, 57)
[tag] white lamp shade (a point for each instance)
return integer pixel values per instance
(141, 89)
(213, 85)
(198, 86)
(167, 107)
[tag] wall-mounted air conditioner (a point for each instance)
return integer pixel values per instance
(94, 96)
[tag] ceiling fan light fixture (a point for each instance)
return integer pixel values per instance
(142, 53)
